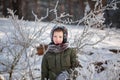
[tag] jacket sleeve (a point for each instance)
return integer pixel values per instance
(44, 69)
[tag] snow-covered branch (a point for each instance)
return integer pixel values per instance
(19, 46)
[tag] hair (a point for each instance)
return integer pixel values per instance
(58, 29)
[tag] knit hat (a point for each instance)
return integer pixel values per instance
(62, 28)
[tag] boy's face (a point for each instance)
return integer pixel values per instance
(58, 37)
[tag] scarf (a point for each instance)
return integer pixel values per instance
(57, 48)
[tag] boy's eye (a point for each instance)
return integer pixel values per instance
(60, 36)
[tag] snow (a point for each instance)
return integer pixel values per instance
(29, 63)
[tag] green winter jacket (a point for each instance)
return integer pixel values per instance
(54, 63)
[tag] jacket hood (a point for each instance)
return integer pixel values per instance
(63, 29)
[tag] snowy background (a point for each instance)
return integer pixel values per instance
(18, 59)
(98, 48)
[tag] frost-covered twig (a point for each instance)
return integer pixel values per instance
(93, 19)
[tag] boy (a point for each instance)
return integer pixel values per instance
(59, 59)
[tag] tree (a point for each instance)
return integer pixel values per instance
(19, 46)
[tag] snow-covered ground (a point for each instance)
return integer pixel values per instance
(98, 62)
